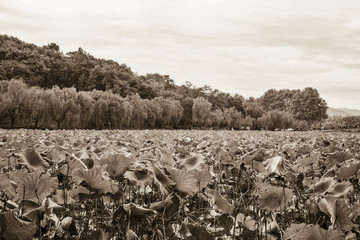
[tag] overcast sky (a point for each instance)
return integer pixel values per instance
(240, 46)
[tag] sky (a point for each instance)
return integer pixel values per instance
(236, 46)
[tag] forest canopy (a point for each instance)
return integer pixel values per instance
(42, 87)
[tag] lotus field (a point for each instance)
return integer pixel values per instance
(183, 184)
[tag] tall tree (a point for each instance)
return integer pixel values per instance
(14, 99)
(186, 104)
(61, 103)
(309, 106)
(276, 119)
(253, 108)
(233, 118)
(139, 114)
(86, 103)
(36, 105)
(201, 111)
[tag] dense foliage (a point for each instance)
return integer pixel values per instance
(342, 122)
(114, 89)
(178, 185)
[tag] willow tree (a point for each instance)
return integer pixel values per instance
(36, 105)
(62, 104)
(201, 111)
(87, 104)
(14, 99)
(139, 113)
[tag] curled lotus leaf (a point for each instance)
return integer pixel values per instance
(33, 159)
(323, 186)
(220, 201)
(341, 189)
(134, 210)
(164, 181)
(338, 211)
(139, 177)
(348, 169)
(192, 162)
(278, 165)
(336, 158)
(165, 157)
(94, 178)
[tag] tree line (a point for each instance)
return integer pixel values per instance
(34, 107)
(342, 122)
(43, 87)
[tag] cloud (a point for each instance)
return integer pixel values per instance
(241, 47)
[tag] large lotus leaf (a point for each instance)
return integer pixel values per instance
(93, 177)
(249, 157)
(139, 177)
(164, 182)
(275, 198)
(348, 169)
(165, 157)
(257, 166)
(15, 229)
(341, 189)
(192, 162)
(185, 182)
(81, 194)
(329, 174)
(135, 210)
(337, 158)
(118, 164)
(160, 205)
(277, 165)
(304, 149)
(203, 176)
(304, 163)
(260, 155)
(35, 186)
(62, 197)
(295, 231)
(338, 211)
(56, 155)
(53, 208)
(168, 207)
(355, 211)
(72, 164)
(31, 210)
(318, 233)
(221, 202)
(323, 186)
(48, 144)
(33, 159)
(225, 157)
(7, 187)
